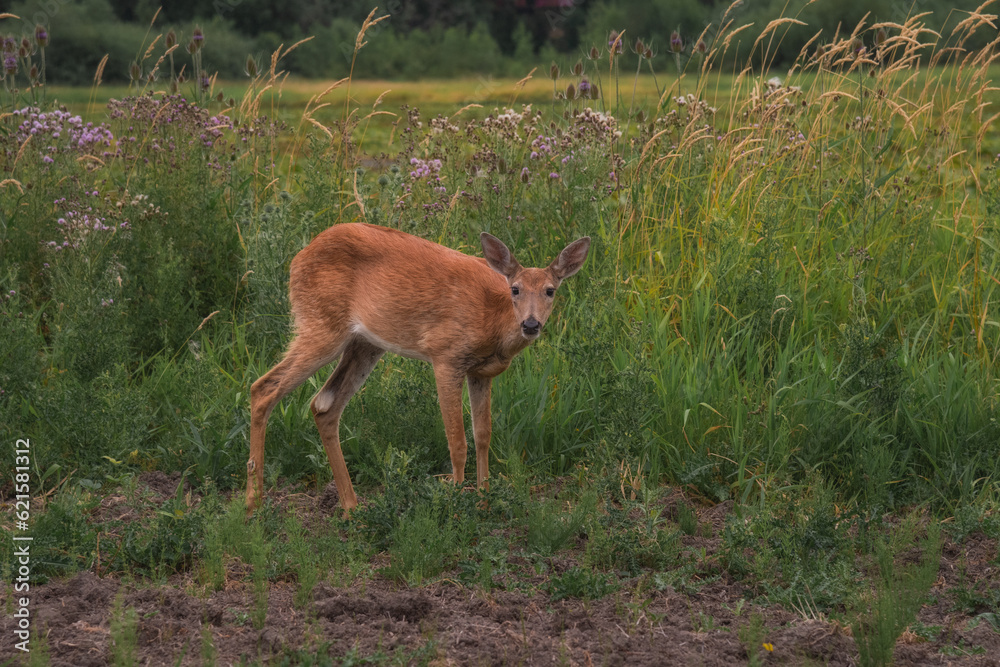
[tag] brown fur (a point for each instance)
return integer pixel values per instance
(360, 290)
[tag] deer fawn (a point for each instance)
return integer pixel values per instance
(360, 290)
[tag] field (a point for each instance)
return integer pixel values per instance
(760, 427)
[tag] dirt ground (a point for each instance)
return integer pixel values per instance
(445, 623)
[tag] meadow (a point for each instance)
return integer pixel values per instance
(760, 426)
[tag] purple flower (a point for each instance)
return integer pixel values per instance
(676, 43)
(584, 87)
(10, 65)
(47, 160)
(614, 43)
(553, 175)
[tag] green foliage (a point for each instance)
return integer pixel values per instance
(124, 632)
(420, 547)
(580, 582)
(550, 530)
(899, 592)
(752, 637)
(793, 550)
(617, 542)
(171, 541)
(64, 541)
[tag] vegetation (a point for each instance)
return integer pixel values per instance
(440, 40)
(790, 305)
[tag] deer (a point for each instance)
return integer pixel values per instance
(358, 291)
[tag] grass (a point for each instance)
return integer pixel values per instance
(790, 305)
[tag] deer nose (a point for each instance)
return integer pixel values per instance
(530, 326)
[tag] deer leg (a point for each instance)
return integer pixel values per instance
(304, 357)
(355, 365)
(449, 388)
(482, 426)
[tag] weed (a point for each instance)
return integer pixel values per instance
(899, 591)
(580, 582)
(420, 547)
(752, 636)
(124, 632)
(549, 530)
(209, 654)
(687, 520)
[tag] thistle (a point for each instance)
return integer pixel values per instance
(614, 43)
(41, 36)
(676, 43)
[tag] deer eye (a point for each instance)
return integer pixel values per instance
(515, 291)
(550, 292)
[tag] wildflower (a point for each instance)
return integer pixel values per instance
(768, 646)
(170, 40)
(10, 65)
(614, 42)
(47, 160)
(570, 92)
(701, 48)
(880, 37)
(676, 43)
(525, 175)
(251, 67)
(135, 71)
(198, 39)
(554, 72)
(585, 89)
(639, 47)
(41, 36)
(594, 53)
(554, 175)
(578, 68)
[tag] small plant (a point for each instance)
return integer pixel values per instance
(304, 559)
(549, 530)
(124, 632)
(752, 636)
(580, 582)
(899, 591)
(209, 654)
(420, 547)
(687, 519)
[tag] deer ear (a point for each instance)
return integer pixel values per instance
(498, 256)
(571, 258)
